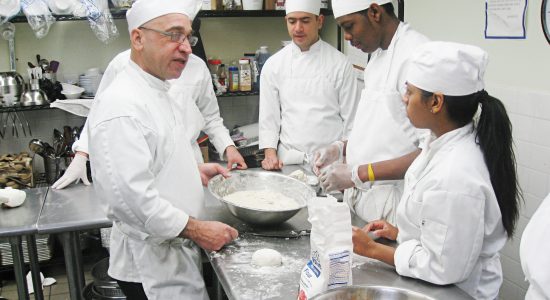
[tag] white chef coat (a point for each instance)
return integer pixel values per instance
(449, 220)
(196, 99)
(307, 99)
(146, 175)
(381, 129)
(534, 253)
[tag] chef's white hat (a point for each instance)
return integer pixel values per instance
(346, 7)
(309, 6)
(449, 68)
(143, 11)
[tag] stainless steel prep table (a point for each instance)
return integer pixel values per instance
(241, 281)
(19, 222)
(67, 212)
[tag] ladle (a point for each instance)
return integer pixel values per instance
(42, 148)
(8, 33)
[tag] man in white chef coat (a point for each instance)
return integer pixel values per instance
(145, 171)
(196, 98)
(381, 130)
(308, 91)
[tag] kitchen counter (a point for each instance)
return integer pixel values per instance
(67, 212)
(73, 208)
(22, 220)
(241, 281)
(19, 222)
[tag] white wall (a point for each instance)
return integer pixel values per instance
(517, 74)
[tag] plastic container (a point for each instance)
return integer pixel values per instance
(280, 5)
(255, 71)
(233, 79)
(245, 76)
(252, 4)
(262, 55)
(222, 76)
(214, 65)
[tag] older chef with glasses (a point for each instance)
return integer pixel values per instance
(145, 171)
(196, 99)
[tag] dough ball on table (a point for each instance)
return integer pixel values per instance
(267, 258)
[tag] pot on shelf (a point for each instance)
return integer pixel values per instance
(34, 96)
(11, 85)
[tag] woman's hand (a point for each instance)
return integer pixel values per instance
(362, 243)
(382, 228)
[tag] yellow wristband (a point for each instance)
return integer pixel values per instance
(371, 173)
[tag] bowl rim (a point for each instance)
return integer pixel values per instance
(374, 286)
(258, 209)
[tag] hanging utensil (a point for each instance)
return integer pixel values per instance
(37, 146)
(54, 66)
(58, 142)
(68, 134)
(24, 118)
(44, 65)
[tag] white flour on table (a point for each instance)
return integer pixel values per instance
(267, 280)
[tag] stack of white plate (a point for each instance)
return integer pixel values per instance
(90, 83)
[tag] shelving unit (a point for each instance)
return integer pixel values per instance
(121, 14)
(6, 109)
(238, 94)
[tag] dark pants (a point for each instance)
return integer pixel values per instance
(132, 290)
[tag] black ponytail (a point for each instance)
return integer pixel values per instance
(494, 136)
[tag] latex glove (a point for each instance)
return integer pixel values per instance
(75, 172)
(234, 158)
(209, 170)
(271, 161)
(337, 177)
(326, 156)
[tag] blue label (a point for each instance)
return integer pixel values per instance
(313, 269)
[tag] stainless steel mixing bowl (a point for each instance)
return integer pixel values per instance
(11, 83)
(371, 293)
(248, 180)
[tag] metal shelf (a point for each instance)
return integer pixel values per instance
(238, 94)
(121, 14)
(24, 108)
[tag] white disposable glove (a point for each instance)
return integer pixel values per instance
(337, 177)
(326, 156)
(75, 172)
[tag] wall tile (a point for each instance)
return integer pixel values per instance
(531, 204)
(522, 127)
(538, 183)
(539, 133)
(513, 272)
(511, 248)
(509, 291)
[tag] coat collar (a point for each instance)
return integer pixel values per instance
(296, 51)
(151, 80)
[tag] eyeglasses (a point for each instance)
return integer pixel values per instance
(176, 37)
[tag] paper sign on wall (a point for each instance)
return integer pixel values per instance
(505, 19)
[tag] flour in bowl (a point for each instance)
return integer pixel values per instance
(264, 200)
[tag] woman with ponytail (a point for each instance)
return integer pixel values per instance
(461, 196)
